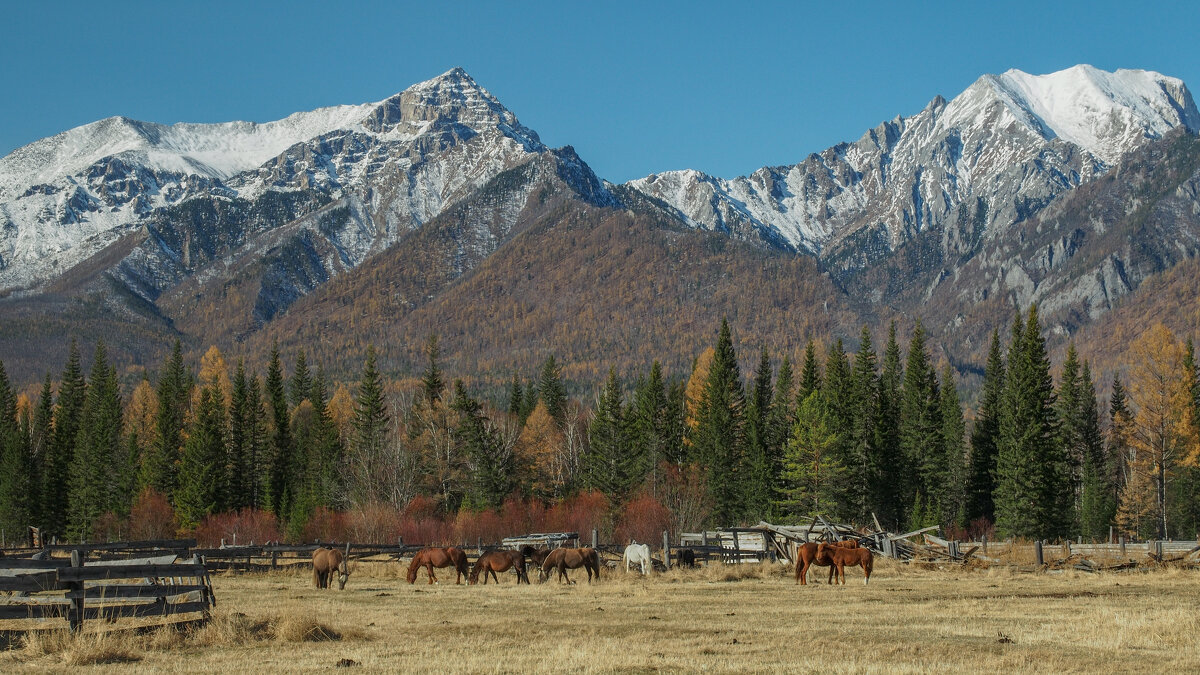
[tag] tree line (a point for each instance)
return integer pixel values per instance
(856, 436)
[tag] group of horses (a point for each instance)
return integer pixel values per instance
(836, 556)
(329, 563)
(491, 562)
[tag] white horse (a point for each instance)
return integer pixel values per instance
(637, 554)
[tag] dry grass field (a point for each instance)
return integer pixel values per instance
(746, 618)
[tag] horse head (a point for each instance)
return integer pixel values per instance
(343, 575)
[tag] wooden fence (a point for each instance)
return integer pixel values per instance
(44, 589)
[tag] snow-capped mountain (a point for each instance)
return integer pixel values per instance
(401, 160)
(991, 157)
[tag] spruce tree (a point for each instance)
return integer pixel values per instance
(1098, 506)
(370, 417)
(606, 465)
(516, 397)
(779, 422)
(258, 445)
(1069, 408)
(890, 486)
(1033, 496)
(758, 486)
(981, 473)
(551, 392)
(812, 473)
(676, 428)
(94, 483)
(56, 475)
(648, 424)
(863, 454)
(280, 480)
(330, 452)
(201, 466)
(174, 397)
(921, 446)
(719, 436)
(953, 434)
(237, 481)
(1120, 421)
(301, 384)
(810, 372)
(431, 380)
(837, 390)
(41, 440)
(492, 463)
(14, 464)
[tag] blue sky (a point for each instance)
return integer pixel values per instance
(636, 87)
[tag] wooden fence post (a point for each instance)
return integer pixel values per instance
(1122, 541)
(985, 544)
(75, 613)
(1037, 552)
(667, 550)
(595, 538)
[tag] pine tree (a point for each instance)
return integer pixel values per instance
(280, 479)
(56, 475)
(94, 483)
(810, 372)
(257, 445)
(330, 453)
(758, 465)
(1033, 495)
(174, 396)
(551, 392)
(200, 467)
(719, 436)
(779, 424)
(301, 384)
(431, 380)
(981, 473)
(812, 475)
(606, 466)
(14, 463)
(953, 434)
(889, 491)
(675, 427)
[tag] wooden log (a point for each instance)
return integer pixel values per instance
(75, 614)
(33, 564)
(144, 609)
(125, 591)
(1037, 553)
(667, 550)
(74, 574)
(30, 583)
(35, 610)
(167, 544)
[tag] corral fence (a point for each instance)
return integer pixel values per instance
(43, 590)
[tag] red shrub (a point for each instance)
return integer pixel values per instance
(243, 527)
(375, 523)
(471, 527)
(326, 526)
(582, 513)
(643, 519)
(151, 517)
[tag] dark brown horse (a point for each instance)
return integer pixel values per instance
(326, 562)
(807, 554)
(430, 558)
(840, 557)
(491, 562)
(563, 559)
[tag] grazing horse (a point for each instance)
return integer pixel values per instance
(326, 562)
(491, 562)
(563, 559)
(687, 557)
(430, 558)
(637, 554)
(840, 557)
(536, 556)
(807, 554)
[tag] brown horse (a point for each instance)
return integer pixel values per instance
(491, 562)
(840, 557)
(536, 556)
(563, 559)
(430, 558)
(807, 555)
(326, 562)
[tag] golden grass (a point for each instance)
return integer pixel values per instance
(720, 619)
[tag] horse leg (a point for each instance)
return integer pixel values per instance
(429, 568)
